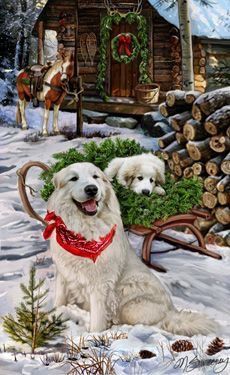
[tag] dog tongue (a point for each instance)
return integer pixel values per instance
(90, 206)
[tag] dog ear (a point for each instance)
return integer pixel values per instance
(126, 177)
(113, 167)
(59, 179)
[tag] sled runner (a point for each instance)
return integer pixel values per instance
(150, 234)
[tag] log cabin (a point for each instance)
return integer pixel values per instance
(82, 24)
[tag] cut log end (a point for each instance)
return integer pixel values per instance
(196, 113)
(223, 215)
(210, 128)
(209, 200)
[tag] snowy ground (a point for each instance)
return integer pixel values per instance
(195, 282)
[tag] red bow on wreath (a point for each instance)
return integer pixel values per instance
(125, 44)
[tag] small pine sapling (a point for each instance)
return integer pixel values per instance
(33, 325)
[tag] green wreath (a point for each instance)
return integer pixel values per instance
(125, 47)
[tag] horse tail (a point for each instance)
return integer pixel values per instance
(18, 115)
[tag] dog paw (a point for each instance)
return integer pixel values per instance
(159, 190)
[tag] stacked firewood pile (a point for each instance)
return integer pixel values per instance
(198, 145)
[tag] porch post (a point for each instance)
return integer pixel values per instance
(41, 42)
(78, 79)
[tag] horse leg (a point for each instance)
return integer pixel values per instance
(46, 118)
(55, 119)
(22, 106)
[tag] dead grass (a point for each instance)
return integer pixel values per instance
(53, 357)
(97, 363)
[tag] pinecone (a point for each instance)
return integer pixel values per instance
(182, 346)
(144, 354)
(215, 346)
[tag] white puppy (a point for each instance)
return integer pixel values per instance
(117, 288)
(141, 173)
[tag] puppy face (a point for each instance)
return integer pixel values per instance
(82, 185)
(142, 179)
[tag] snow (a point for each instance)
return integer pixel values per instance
(207, 22)
(195, 282)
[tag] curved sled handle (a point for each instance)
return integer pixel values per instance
(22, 173)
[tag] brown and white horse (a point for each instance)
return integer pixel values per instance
(53, 92)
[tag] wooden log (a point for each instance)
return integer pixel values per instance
(167, 111)
(171, 164)
(212, 234)
(209, 200)
(191, 96)
(179, 155)
(177, 121)
(210, 183)
(178, 170)
(213, 166)
(200, 61)
(180, 138)
(200, 70)
(199, 53)
(199, 150)
(225, 164)
(204, 225)
(194, 130)
(222, 215)
(167, 152)
(175, 97)
(220, 143)
(224, 184)
(224, 198)
(199, 78)
(187, 162)
(188, 172)
(218, 120)
(198, 168)
(228, 132)
(209, 102)
(166, 140)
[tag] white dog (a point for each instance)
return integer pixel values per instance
(141, 173)
(116, 288)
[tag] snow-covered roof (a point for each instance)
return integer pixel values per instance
(207, 22)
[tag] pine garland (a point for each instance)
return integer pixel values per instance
(105, 29)
(180, 196)
(33, 325)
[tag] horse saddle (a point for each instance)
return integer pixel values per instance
(37, 73)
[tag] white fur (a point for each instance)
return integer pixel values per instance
(128, 172)
(118, 288)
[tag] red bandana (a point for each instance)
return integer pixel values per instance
(75, 243)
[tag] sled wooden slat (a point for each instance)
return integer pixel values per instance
(159, 226)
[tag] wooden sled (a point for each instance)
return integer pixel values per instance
(150, 234)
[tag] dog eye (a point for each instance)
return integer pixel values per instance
(140, 178)
(151, 180)
(95, 176)
(75, 178)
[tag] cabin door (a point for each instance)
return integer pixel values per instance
(123, 77)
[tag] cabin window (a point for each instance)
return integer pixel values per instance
(50, 46)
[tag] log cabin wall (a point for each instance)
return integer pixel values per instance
(162, 53)
(165, 58)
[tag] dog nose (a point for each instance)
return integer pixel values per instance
(91, 190)
(146, 192)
